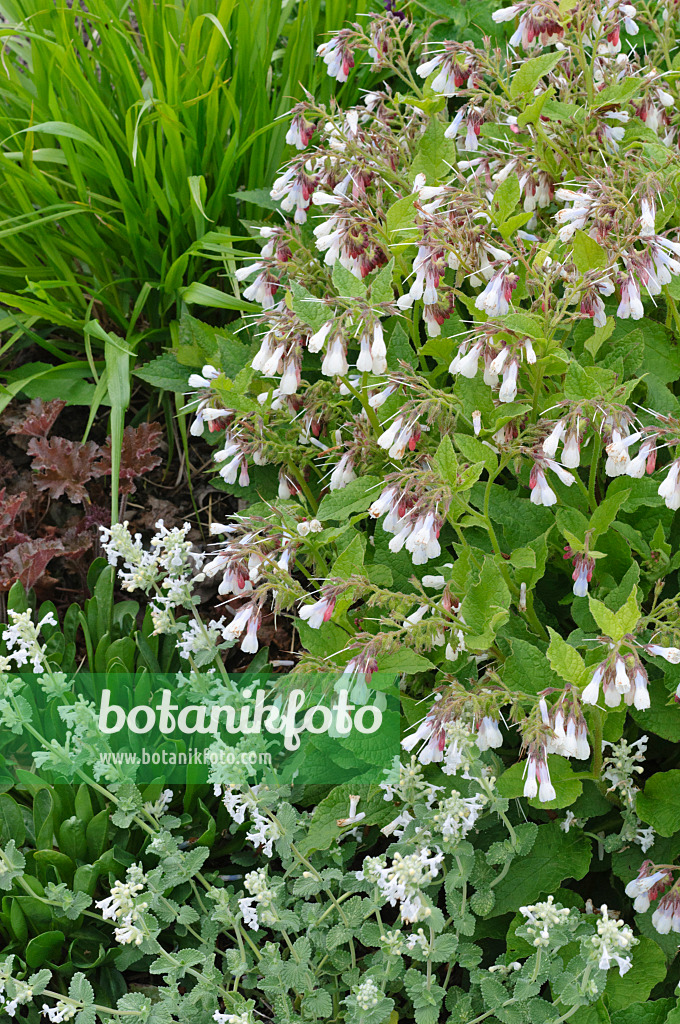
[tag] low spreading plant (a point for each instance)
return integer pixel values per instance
(451, 842)
(360, 907)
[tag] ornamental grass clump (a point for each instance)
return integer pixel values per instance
(457, 437)
(133, 137)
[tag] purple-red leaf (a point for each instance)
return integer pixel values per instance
(136, 454)
(10, 507)
(37, 418)
(64, 467)
(27, 562)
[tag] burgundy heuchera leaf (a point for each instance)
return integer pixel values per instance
(37, 418)
(64, 467)
(9, 510)
(136, 455)
(27, 562)
(28, 559)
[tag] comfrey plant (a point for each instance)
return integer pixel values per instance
(446, 377)
(460, 414)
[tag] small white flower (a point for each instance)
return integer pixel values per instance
(670, 654)
(647, 218)
(506, 14)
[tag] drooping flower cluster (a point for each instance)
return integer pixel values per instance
(538, 782)
(647, 886)
(569, 729)
(414, 514)
(621, 676)
(446, 740)
(541, 491)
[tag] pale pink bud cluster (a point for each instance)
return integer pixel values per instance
(583, 566)
(505, 361)
(300, 132)
(293, 189)
(361, 667)
(348, 235)
(241, 558)
(319, 612)
(402, 434)
(337, 56)
(495, 299)
(453, 74)
(468, 121)
(538, 25)
(431, 735)
(247, 619)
